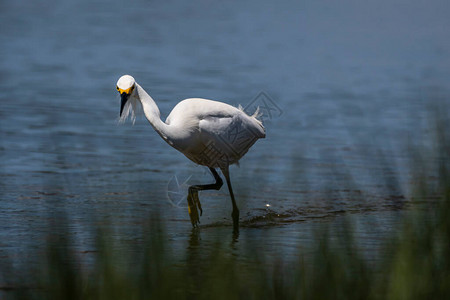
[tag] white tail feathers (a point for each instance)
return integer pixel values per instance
(256, 114)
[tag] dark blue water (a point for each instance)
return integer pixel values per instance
(350, 83)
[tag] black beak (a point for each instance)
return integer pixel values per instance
(124, 98)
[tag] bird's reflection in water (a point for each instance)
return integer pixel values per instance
(234, 239)
(194, 239)
(194, 244)
(193, 255)
(194, 262)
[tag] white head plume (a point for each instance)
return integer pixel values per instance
(133, 106)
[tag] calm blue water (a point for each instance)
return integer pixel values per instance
(352, 84)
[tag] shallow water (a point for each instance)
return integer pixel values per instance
(350, 86)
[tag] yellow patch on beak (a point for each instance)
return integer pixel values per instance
(127, 91)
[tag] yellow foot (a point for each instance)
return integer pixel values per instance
(194, 206)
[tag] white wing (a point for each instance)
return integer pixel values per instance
(220, 134)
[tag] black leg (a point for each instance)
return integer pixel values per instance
(235, 213)
(194, 202)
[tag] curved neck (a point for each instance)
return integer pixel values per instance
(152, 113)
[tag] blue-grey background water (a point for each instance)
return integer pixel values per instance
(353, 81)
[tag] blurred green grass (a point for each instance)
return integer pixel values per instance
(414, 263)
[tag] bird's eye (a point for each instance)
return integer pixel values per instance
(117, 87)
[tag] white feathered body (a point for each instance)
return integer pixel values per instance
(213, 134)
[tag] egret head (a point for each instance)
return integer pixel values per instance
(129, 104)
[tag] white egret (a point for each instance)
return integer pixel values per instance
(209, 133)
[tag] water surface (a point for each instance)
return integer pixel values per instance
(353, 83)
